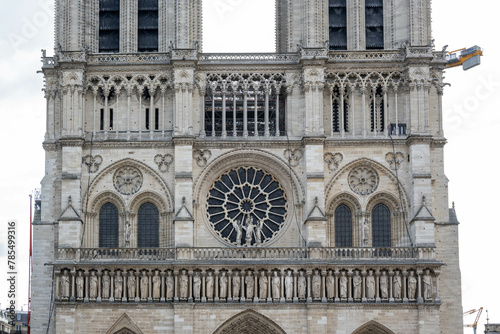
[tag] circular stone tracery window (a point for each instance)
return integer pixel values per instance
(127, 180)
(246, 206)
(363, 180)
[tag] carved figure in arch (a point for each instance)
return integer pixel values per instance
(412, 286)
(289, 285)
(128, 234)
(156, 285)
(169, 282)
(183, 285)
(79, 285)
(370, 285)
(223, 280)
(249, 282)
(196, 285)
(144, 283)
(258, 232)
(357, 285)
(263, 281)
(93, 285)
(301, 285)
(396, 285)
(330, 285)
(106, 284)
(65, 284)
(236, 285)
(316, 285)
(210, 285)
(131, 285)
(276, 285)
(427, 280)
(343, 285)
(118, 285)
(384, 285)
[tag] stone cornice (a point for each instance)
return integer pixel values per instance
(129, 145)
(241, 143)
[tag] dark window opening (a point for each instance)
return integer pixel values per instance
(336, 108)
(374, 21)
(108, 226)
(381, 226)
(109, 25)
(148, 226)
(147, 39)
(337, 12)
(343, 226)
(111, 119)
(157, 119)
(101, 127)
(147, 118)
(377, 110)
(256, 106)
(400, 126)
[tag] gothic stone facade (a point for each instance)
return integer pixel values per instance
(301, 191)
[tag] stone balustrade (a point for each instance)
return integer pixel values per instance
(348, 56)
(300, 254)
(239, 283)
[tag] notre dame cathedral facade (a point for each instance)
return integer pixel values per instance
(301, 191)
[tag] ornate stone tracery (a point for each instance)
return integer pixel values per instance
(128, 180)
(363, 180)
(246, 206)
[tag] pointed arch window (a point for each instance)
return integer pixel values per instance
(147, 35)
(340, 111)
(374, 21)
(148, 226)
(381, 226)
(343, 226)
(377, 110)
(108, 226)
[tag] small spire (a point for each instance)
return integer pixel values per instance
(453, 205)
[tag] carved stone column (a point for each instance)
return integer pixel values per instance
(137, 287)
(72, 292)
(324, 273)
(337, 286)
(190, 284)
(295, 294)
(176, 283)
(363, 287)
(203, 288)
(216, 283)
(86, 275)
(162, 287)
(350, 298)
(112, 286)
(309, 291)
(99, 286)
(420, 299)
(377, 286)
(391, 274)
(282, 286)
(405, 285)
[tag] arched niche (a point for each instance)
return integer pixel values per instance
(249, 322)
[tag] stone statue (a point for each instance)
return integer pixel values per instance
(343, 285)
(396, 286)
(384, 286)
(183, 285)
(106, 284)
(258, 232)
(128, 233)
(79, 285)
(65, 284)
(223, 285)
(330, 286)
(236, 285)
(237, 228)
(316, 285)
(301, 285)
(144, 286)
(93, 285)
(118, 285)
(276, 285)
(263, 281)
(289, 285)
(357, 285)
(370, 285)
(366, 233)
(170, 285)
(196, 285)
(131, 285)
(249, 282)
(210, 285)
(156, 285)
(412, 286)
(249, 229)
(427, 280)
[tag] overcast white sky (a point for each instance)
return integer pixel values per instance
(471, 104)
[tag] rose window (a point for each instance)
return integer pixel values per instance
(128, 180)
(363, 180)
(246, 206)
